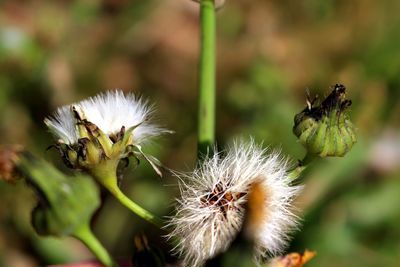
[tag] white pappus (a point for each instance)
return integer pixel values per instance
(211, 208)
(109, 111)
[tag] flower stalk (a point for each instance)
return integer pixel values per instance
(85, 234)
(206, 112)
(301, 166)
(111, 185)
(106, 175)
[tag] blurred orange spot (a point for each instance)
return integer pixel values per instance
(294, 259)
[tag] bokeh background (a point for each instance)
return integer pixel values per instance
(269, 52)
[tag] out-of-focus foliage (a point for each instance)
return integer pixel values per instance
(269, 52)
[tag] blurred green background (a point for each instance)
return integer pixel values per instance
(56, 52)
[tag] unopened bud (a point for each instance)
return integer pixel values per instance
(326, 130)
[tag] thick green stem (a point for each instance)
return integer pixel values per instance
(206, 112)
(87, 237)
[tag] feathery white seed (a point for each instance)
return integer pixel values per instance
(63, 125)
(109, 112)
(208, 220)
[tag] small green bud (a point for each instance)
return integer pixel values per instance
(326, 130)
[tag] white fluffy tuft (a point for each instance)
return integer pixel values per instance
(63, 125)
(204, 231)
(109, 112)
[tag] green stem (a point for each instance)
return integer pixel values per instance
(105, 175)
(301, 166)
(308, 158)
(87, 237)
(135, 208)
(206, 112)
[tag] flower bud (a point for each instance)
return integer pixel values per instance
(326, 130)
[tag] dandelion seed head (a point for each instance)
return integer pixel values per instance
(211, 208)
(110, 112)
